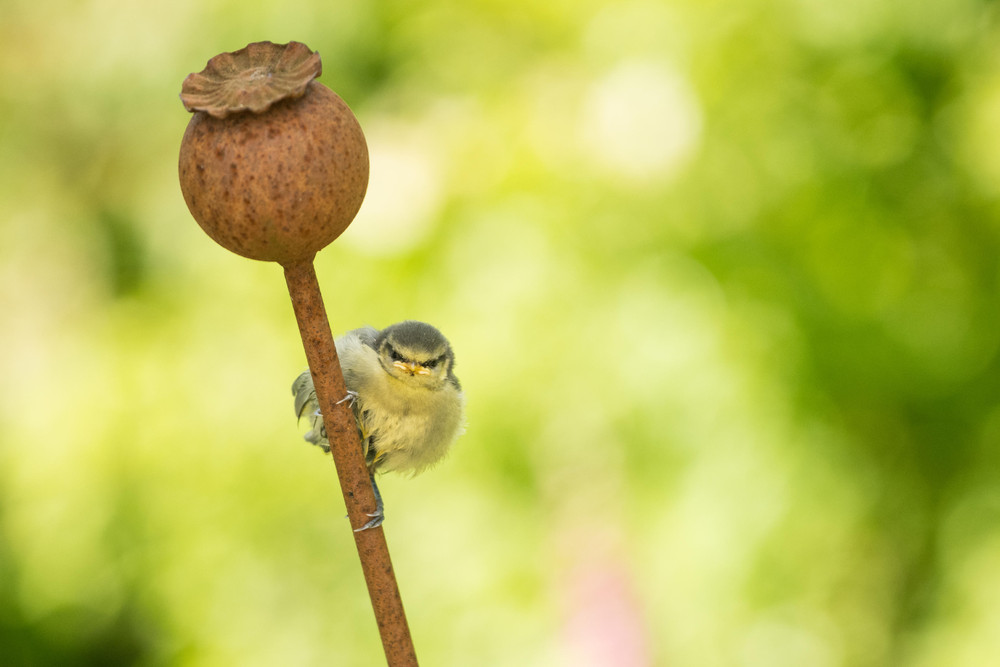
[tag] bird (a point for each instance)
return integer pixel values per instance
(408, 404)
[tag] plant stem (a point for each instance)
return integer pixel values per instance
(345, 445)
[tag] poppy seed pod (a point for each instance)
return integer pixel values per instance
(273, 165)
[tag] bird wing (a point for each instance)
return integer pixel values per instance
(304, 392)
(306, 404)
(367, 335)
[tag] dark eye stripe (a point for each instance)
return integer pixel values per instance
(434, 362)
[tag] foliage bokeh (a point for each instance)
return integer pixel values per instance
(723, 284)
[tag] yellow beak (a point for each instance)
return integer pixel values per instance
(411, 368)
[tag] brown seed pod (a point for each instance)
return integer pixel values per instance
(273, 165)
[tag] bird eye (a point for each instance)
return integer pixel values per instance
(396, 356)
(434, 362)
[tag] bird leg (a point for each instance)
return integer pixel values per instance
(351, 397)
(378, 516)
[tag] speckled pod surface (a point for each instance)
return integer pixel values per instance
(273, 165)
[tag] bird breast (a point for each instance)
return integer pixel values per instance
(411, 426)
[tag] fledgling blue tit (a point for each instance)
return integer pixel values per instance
(407, 402)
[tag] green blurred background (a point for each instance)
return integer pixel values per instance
(722, 279)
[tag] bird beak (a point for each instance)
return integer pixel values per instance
(411, 368)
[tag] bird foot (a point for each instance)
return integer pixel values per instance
(350, 399)
(376, 520)
(378, 516)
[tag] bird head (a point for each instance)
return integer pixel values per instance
(416, 353)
